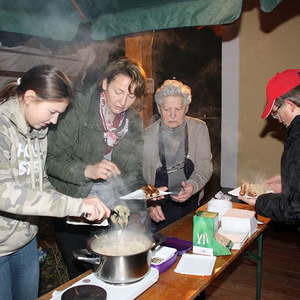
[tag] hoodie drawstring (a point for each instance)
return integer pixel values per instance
(31, 161)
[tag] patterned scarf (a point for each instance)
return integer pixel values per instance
(114, 130)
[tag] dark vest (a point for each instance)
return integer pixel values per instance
(161, 175)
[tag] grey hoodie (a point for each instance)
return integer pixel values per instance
(24, 189)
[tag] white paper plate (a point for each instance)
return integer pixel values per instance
(236, 192)
(140, 195)
(194, 264)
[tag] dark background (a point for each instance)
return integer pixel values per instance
(193, 56)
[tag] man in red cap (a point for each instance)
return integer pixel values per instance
(283, 104)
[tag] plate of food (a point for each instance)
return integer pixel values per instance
(148, 191)
(250, 190)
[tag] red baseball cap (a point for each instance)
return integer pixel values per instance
(279, 85)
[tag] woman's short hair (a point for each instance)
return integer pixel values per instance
(173, 88)
(130, 68)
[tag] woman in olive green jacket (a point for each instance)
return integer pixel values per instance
(97, 148)
(78, 141)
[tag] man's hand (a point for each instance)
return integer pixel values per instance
(105, 169)
(156, 213)
(185, 193)
(95, 209)
(274, 184)
(250, 201)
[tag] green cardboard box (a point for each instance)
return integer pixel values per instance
(205, 226)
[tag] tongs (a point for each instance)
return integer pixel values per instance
(116, 218)
(82, 220)
(112, 212)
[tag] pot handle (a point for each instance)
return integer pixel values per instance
(159, 238)
(86, 256)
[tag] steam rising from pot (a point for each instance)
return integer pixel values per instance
(111, 190)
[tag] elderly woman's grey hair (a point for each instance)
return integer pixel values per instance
(173, 88)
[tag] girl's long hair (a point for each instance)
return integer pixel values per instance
(46, 81)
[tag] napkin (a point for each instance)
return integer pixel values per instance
(194, 264)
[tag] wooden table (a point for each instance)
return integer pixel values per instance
(177, 286)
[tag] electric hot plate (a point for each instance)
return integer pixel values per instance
(84, 292)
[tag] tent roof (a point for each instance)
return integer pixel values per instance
(59, 19)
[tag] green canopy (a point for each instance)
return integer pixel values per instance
(59, 19)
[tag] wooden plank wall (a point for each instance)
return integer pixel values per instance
(139, 48)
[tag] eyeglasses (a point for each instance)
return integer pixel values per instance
(274, 113)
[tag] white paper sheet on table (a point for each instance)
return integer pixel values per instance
(194, 264)
(140, 195)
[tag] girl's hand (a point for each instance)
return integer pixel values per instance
(95, 209)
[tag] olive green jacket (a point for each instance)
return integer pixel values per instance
(78, 141)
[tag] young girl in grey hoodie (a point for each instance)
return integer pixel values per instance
(27, 107)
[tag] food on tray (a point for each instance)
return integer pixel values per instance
(251, 189)
(150, 191)
(157, 260)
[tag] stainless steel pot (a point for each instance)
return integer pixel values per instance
(116, 256)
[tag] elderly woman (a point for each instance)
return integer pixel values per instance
(177, 154)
